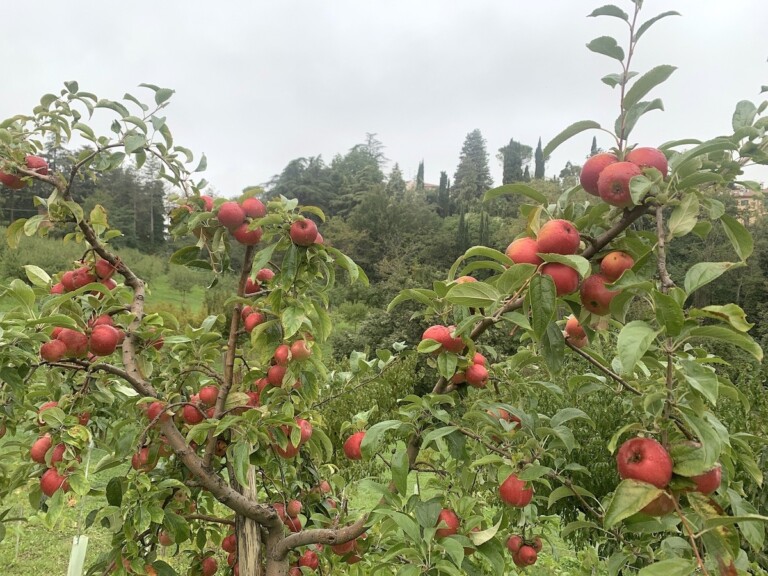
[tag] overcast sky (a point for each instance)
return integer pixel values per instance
(261, 82)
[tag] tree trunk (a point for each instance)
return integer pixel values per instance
(249, 543)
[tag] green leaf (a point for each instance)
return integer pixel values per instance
(702, 379)
(115, 106)
(475, 294)
(610, 10)
(162, 95)
(639, 186)
(608, 47)
(427, 513)
(568, 414)
(676, 163)
(446, 364)
(684, 217)
(730, 313)
(14, 232)
(241, 454)
(669, 313)
(730, 336)
(115, 491)
(37, 275)
(568, 133)
(703, 273)
(202, 165)
(633, 114)
(699, 178)
(646, 83)
(648, 23)
(185, 255)
(568, 492)
(542, 299)
(134, 142)
(553, 347)
(634, 340)
(629, 498)
(509, 189)
(744, 115)
(375, 434)
(739, 236)
(578, 263)
(399, 466)
(514, 277)
(293, 318)
(433, 435)
(671, 567)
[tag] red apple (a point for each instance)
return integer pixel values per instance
(476, 375)
(104, 340)
(352, 446)
(76, 342)
(251, 287)
(40, 447)
(514, 543)
(300, 350)
(306, 429)
(254, 208)
(229, 544)
(501, 414)
(345, 548)
(51, 481)
(36, 164)
(265, 275)
(141, 460)
(53, 351)
(309, 559)
(155, 409)
(12, 181)
(558, 237)
(275, 375)
(613, 265)
(709, 481)
(449, 519)
(573, 329)
(566, 279)
(209, 566)
(513, 492)
(591, 170)
(191, 414)
(527, 555)
(646, 460)
(230, 215)
(164, 538)
(247, 237)
(478, 359)
(613, 184)
(209, 394)
(253, 320)
(595, 297)
(524, 251)
(303, 232)
(282, 354)
(207, 203)
(58, 288)
(104, 269)
(649, 158)
(293, 508)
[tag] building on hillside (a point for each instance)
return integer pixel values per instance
(410, 186)
(750, 204)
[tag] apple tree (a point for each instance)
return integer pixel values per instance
(218, 427)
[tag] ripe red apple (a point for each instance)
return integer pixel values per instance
(141, 460)
(558, 237)
(527, 555)
(209, 566)
(649, 158)
(476, 375)
(309, 559)
(58, 453)
(450, 520)
(294, 571)
(536, 544)
(102, 319)
(51, 481)
(501, 414)
(289, 451)
(265, 275)
(595, 297)
(254, 208)
(43, 407)
(566, 279)
(662, 505)
(53, 351)
(282, 354)
(345, 548)
(306, 429)
(247, 237)
(40, 447)
(709, 481)
(513, 492)
(613, 265)
(12, 181)
(82, 277)
(303, 232)
(613, 184)
(352, 446)
(191, 414)
(230, 215)
(275, 375)
(573, 329)
(75, 341)
(229, 544)
(58, 288)
(300, 351)
(104, 340)
(84, 418)
(524, 251)
(293, 524)
(293, 508)
(646, 460)
(514, 543)
(209, 394)
(164, 538)
(478, 359)
(207, 203)
(590, 172)
(155, 409)
(36, 164)
(253, 320)
(104, 269)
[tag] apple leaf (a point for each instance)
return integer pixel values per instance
(399, 466)
(482, 536)
(578, 263)
(607, 46)
(669, 313)
(375, 434)
(37, 275)
(475, 294)
(730, 313)
(639, 186)
(671, 567)
(648, 23)
(729, 336)
(629, 498)
(634, 340)
(684, 217)
(633, 114)
(542, 300)
(744, 115)
(610, 10)
(508, 189)
(568, 133)
(567, 492)
(646, 83)
(703, 273)
(739, 236)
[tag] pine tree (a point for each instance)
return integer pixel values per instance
(395, 184)
(594, 149)
(420, 177)
(462, 232)
(526, 175)
(473, 176)
(443, 196)
(514, 159)
(539, 159)
(484, 236)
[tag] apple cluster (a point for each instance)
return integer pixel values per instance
(646, 460)
(524, 552)
(606, 176)
(16, 182)
(100, 271)
(237, 217)
(101, 338)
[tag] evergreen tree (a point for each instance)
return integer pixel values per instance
(539, 168)
(420, 177)
(484, 236)
(395, 183)
(594, 149)
(443, 196)
(473, 176)
(462, 231)
(526, 175)
(514, 159)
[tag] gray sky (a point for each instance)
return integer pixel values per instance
(259, 83)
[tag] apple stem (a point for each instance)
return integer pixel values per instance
(691, 537)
